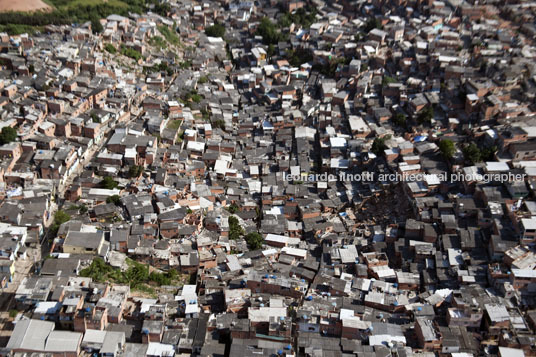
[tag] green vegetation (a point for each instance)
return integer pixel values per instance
(174, 124)
(220, 123)
(108, 183)
(216, 30)
(96, 26)
(205, 113)
(192, 96)
(135, 171)
(13, 313)
(137, 274)
(76, 11)
(426, 115)
(157, 41)
(7, 135)
(233, 208)
(169, 35)
(161, 67)
(269, 32)
(101, 272)
(110, 48)
(185, 64)
(447, 148)
(254, 240)
(235, 230)
(82, 208)
(164, 278)
(59, 218)
(115, 199)
(18, 29)
(473, 154)
(372, 23)
(400, 119)
(332, 67)
(487, 153)
(378, 145)
(146, 289)
(299, 56)
(386, 80)
(304, 17)
(95, 118)
(161, 8)
(131, 53)
(202, 80)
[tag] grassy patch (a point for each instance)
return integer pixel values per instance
(131, 53)
(169, 35)
(157, 41)
(13, 313)
(110, 48)
(16, 29)
(174, 124)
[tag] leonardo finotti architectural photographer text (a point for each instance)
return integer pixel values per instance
(397, 177)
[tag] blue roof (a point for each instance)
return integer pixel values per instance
(420, 138)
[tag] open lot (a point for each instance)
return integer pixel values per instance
(23, 5)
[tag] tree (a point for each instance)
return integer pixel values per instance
(96, 26)
(216, 30)
(135, 171)
(162, 9)
(372, 23)
(400, 119)
(136, 274)
(110, 48)
(108, 183)
(378, 145)
(254, 240)
(59, 218)
(115, 199)
(82, 209)
(131, 53)
(219, 124)
(159, 278)
(233, 208)
(488, 153)
(471, 153)
(426, 115)
(269, 32)
(7, 135)
(235, 230)
(299, 56)
(447, 148)
(334, 65)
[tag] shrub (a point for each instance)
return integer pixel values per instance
(108, 183)
(447, 148)
(235, 230)
(216, 30)
(110, 48)
(254, 240)
(115, 199)
(7, 135)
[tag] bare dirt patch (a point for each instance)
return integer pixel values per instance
(23, 5)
